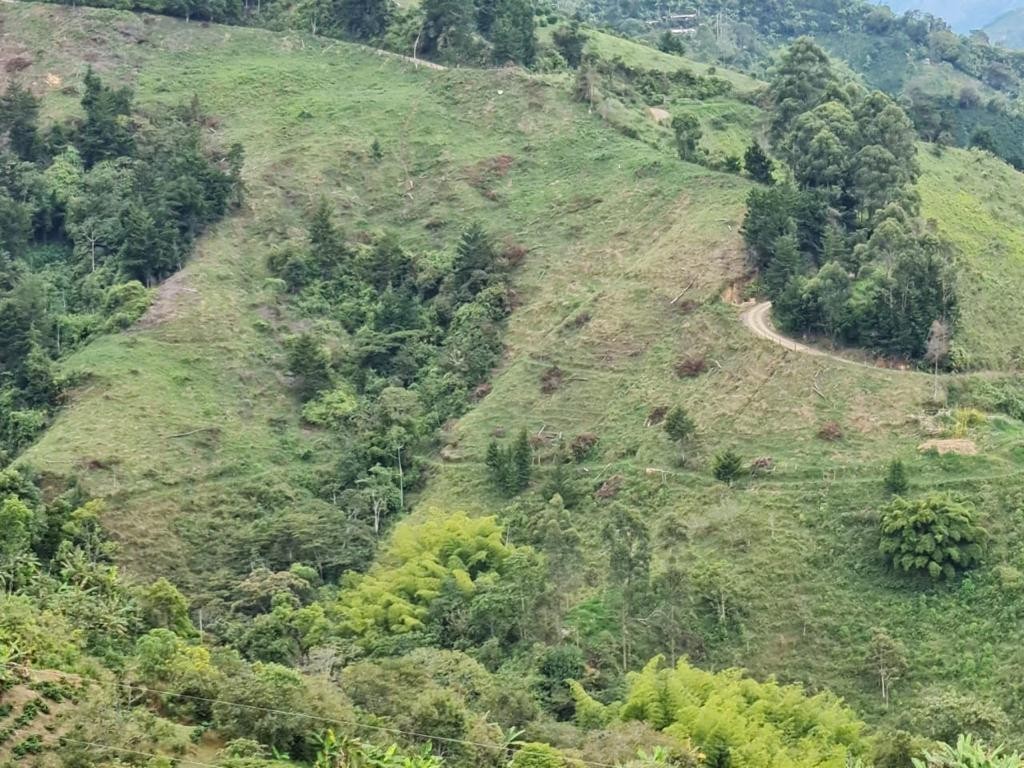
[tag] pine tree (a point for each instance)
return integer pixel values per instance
(678, 424)
(728, 466)
(513, 33)
(896, 481)
(758, 164)
(19, 110)
(522, 461)
(785, 265)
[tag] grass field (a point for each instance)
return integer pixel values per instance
(630, 254)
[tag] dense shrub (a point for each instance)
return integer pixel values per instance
(937, 535)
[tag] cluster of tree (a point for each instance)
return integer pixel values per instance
(729, 719)
(92, 212)
(874, 41)
(510, 467)
(451, 583)
(498, 31)
(418, 342)
(839, 249)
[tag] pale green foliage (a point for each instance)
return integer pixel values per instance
(395, 596)
(590, 713)
(729, 716)
(937, 535)
(967, 754)
(536, 755)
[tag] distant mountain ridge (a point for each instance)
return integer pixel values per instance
(963, 17)
(1008, 29)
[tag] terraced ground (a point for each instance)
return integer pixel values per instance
(186, 425)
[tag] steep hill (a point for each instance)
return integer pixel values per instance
(627, 303)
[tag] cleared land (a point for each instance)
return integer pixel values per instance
(630, 251)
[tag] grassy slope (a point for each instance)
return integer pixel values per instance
(977, 201)
(618, 229)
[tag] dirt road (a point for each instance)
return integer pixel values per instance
(758, 320)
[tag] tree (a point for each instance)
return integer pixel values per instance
(513, 33)
(758, 165)
(164, 607)
(937, 350)
(896, 481)
(106, 132)
(446, 26)
(365, 19)
(983, 139)
(688, 133)
(522, 461)
(937, 535)
(629, 566)
(802, 81)
(888, 660)
(786, 264)
(310, 364)
(19, 111)
(678, 424)
(569, 41)
(669, 43)
(537, 755)
(727, 466)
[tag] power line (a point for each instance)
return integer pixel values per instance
(320, 718)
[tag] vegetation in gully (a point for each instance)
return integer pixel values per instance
(355, 412)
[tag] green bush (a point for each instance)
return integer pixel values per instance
(727, 467)
(938, 535)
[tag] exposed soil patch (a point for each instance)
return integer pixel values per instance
(552, 380)
(486, 173)
(611, 487)
(942, 447)
(171, 296)
(656, 416)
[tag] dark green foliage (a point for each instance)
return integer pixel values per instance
(852, 154)
(510, 468)
(727, 466)
(803, 80)
(522, 458)
(688, 133)
(937, 535)
(569, 41)
(82, 230)
(447, 27)
(556, 666)
(669, 43)
(982, 139)
(19, 110)
(758, 165)
(896, 481)
(310, 364)
(364, 19)
(512, 32)
(678, 424)
(106, 132)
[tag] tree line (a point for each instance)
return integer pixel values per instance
(93, 212)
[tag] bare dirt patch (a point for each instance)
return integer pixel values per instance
(960, 447)
(171, 296)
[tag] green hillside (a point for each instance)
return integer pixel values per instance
(629, 276)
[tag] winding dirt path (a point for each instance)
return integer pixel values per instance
(757, 319)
